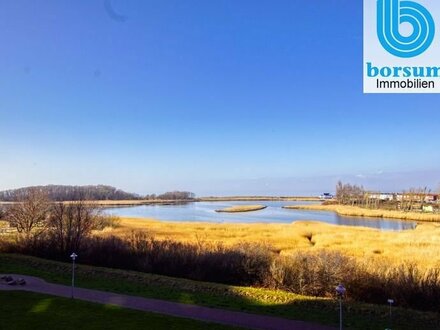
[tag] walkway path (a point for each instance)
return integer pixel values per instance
(240, 319)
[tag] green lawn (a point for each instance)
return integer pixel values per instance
(276, 303)
(25, 310)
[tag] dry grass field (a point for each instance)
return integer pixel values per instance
(242, 208)
(362, 212)
(419, 246)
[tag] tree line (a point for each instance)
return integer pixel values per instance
(91, 192)
(175, 195)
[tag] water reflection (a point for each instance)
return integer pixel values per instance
(378, 223)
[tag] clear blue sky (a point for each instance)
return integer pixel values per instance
(217, 97)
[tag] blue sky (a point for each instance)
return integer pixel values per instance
(217, 97)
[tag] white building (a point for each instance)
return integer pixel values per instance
(382, 196)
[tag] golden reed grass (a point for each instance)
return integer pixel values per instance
(420, 245)
(362, 212)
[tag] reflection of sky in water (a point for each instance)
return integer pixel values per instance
(274, 213)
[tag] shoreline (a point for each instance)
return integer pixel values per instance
(354, 211)
(136, 202)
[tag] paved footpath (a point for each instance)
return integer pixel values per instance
(240, 319)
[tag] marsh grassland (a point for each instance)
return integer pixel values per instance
(306, 257)
(418, 246)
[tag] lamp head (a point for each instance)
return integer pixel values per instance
(340, 290)
(73, 256)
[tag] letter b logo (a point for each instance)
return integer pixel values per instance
(391, 14)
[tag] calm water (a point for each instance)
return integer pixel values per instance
(274, 213)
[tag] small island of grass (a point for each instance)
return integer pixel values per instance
(242, 208)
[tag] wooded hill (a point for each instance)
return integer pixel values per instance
(97, 192)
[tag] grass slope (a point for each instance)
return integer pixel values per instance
(270, 302)
(26, 310)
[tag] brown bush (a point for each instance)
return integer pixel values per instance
(317, 274)
(310, 273)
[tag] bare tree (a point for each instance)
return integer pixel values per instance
(71, 224)
(2, 212)
(29, 214)
(350, 194)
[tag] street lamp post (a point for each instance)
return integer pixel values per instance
(73, 256)
(340, 291)
(391, 302)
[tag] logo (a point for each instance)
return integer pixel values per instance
(391, 15)
(401, 47)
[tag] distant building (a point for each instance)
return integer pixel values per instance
(326, 196)
(383, 196)
(431, 198)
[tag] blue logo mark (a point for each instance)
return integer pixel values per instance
(391, 14)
